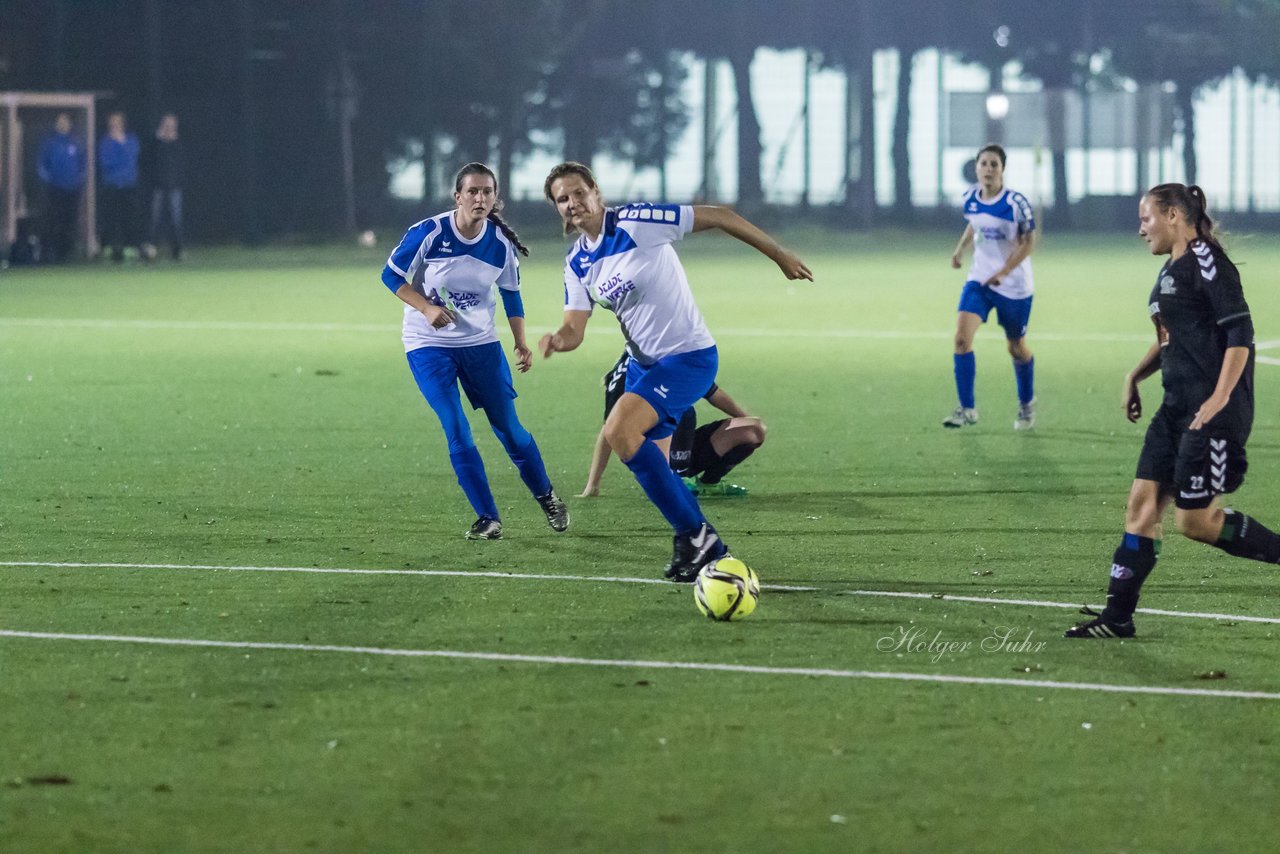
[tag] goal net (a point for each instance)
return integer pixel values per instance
(25, 119)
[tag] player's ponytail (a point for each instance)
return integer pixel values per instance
(507, 230)
(480, 169)
(1199, 216)
(1193, 205)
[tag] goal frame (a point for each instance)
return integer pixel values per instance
(15, 200)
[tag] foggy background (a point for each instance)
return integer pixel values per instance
(319, 118)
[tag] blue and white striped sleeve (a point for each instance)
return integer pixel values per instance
(1023, 212)
(509, 285)
(399, 267)
(509, 275)
(653, 225)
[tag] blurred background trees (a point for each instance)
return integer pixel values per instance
(298, 114)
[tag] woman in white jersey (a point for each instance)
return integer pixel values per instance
(445, 270)
(623, 260)
(1001, 228)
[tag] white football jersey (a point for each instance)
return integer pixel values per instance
(997, 224)
(633, 271)
(458, 273)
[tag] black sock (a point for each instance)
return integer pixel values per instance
(1243, 536)
(721, 466)
(1132, 563)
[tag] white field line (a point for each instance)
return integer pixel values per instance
(389, 329)
(649, 665)
(386, 329)
(284, 326)
(614, 579)
(237, 325)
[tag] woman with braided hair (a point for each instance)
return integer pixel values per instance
(444, 270)
(1194, 448)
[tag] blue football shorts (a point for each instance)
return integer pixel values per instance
(1012, 314)
(673, 384)
(481, 370)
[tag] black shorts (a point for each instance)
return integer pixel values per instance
(691, 451)
(615, 383)
(1194, 464)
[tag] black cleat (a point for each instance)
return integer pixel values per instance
(1100, 627)
(485, 528)
(557, 511)
(692, 552)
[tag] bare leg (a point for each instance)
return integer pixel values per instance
(738, 431)
(967, 324)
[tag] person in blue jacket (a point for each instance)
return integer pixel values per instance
(118, 166)
(62, 171)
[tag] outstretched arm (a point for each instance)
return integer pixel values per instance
(599, 459)
(728, 221)
(721, 400)
(568, 336)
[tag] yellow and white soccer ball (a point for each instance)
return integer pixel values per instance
(726, 589)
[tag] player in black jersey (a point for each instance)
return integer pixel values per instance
(1194, 448)
(702, 455)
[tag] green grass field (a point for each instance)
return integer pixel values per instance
(171, 435)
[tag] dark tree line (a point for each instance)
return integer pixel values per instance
(293, 109)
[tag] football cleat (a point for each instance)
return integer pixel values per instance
(1100, 627)
(1026, 416)
(557, 511)
(485, 528)
(962, 417)
(723, 489)
(691, 552)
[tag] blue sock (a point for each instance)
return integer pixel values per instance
(1025, 374)
(469, 468)
(688, 496)
(519, 445)
(532, 470)
(665, 489)
(966, 366)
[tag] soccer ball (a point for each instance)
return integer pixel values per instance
(726, 589)
(367, 239)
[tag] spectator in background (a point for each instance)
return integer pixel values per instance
(118, 163)
(165, 168)
(62, 171)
